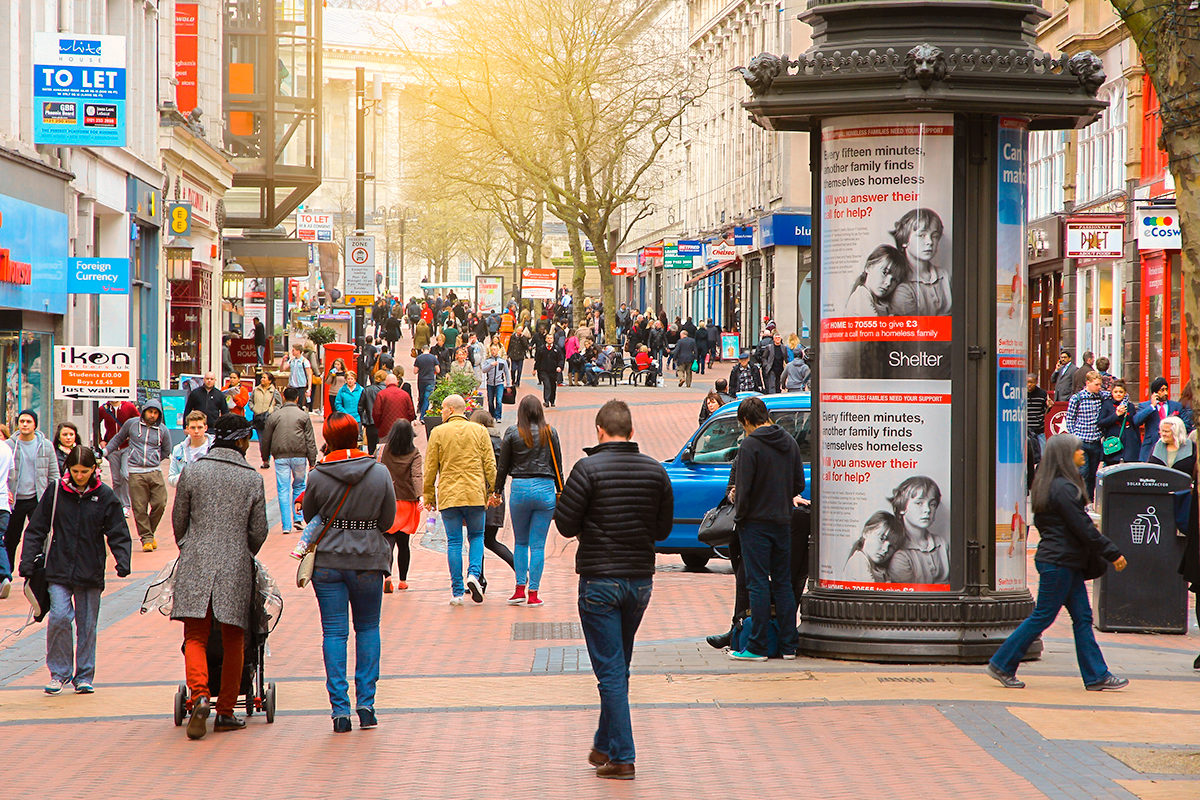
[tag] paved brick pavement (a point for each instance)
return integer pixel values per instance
(472, 707)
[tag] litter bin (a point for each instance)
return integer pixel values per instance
(1137, 512)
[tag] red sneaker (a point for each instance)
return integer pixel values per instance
(401, 586)
(518, 597)
(533, 599)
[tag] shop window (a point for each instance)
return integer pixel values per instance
(25, 380)
(1101, 161)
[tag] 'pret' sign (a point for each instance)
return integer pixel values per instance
(94, 373)
(1095, 240)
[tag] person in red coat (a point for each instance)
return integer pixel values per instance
(391, 404)
(114, 414)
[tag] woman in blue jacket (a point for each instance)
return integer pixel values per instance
(1116, 419)
(348, 396)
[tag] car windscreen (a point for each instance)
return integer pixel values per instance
(717, 442)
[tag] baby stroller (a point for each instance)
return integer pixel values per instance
(256, 694)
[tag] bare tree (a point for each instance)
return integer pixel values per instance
(1167, 34)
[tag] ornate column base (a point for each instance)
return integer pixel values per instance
(911, 629)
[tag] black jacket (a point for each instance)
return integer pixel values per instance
(685, 351)
(755, 379)
(1111, 424)
(517, 460)
(618, 503)
(518, 347)
(82, 521)
(1068, 534)
(548, 360)
(767, 473)
(209, 401)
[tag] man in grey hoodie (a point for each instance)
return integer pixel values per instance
(149, 446)
(34, 469)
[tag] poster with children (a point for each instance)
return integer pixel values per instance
(886, 301)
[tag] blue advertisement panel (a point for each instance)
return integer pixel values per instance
(1012, 312)
(98, 276)
(79, 90)
(744, 235)
(33, 257)
(786, 229)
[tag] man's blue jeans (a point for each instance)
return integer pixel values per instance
(531, 507)
(5, 567)
(79, 605)
(495, 394)
(767, 563)
(424, 390)
(455, 519)
(610, 610)
(1057, 586)
(290, 477)
(1094, 455)
(340, 593)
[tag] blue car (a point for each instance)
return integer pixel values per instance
(700, 471)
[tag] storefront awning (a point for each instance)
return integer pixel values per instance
(714, 269)
(269, 257)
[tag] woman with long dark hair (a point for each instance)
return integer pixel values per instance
(403, 462)
(494, 519)
(83, 513)
(530, 454)
(1069, 540)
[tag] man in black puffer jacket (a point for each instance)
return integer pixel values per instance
(618, 503)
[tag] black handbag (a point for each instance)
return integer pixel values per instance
(37, 587)
(1096, 566)
(509, 396)
(717, 527)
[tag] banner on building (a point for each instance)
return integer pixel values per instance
(884, 461)
(187, 36)
(1012, 315)
(78, 90)
(314, 227)
(95, 373)
(1158, 228)
(539, 284)
(98, 276)
(1095, 239)
(489, 294)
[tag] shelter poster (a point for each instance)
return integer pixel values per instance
(886, 300)
(1011, 366)
(489, 294)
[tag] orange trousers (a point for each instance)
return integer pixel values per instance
(195, 661)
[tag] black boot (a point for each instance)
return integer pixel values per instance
(719, 641)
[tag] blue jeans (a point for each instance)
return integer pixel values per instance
(495, 395)
(5, 567)
(610, 610)
(1057, 586)
(455, 519)
(424, 390)
(289, 472)
(1094, 455)
(362, 593)
(531, 507)
(79, 605)
(767, 562)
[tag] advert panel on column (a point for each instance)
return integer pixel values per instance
(886, 220)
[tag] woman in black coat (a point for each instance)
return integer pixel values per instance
(83, 513)
(1116, 419)
(549, 362)
(1069, 544)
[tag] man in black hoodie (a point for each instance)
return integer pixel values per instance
(618, 503)
(767, 480)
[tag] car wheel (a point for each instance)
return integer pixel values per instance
(697, 559)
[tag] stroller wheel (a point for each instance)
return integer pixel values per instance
(269, 702)
(180, 704)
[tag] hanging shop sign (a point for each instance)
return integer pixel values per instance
(78, 90)
(1158, 228)
(744, 235)
(1095, 239)
(786, 229)
(98, 275)
(95, 373)
(721, 251)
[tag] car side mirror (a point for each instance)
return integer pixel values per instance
(689, 452)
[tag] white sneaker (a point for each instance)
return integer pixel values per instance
(456, 600)
(475, 588)
(55, 686)
(5, 588)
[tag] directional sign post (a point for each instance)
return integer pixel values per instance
(360, 270)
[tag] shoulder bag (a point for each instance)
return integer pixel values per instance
(1115, 444)
(717, 527)
(305, 570)
(558, 476)
(37, 588)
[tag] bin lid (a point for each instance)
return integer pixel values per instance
(1144, 478)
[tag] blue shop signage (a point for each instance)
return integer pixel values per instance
(98, 276)
(744, 235)
(33, 257)
(786, 229)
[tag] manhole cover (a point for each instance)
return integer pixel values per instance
(537, 631)
(906, 680)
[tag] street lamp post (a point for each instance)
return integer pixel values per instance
(918, 115)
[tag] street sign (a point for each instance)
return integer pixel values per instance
(95, 373)
(359, 299)
(98, 275)
(314, 227)
(539, 284)
(360, 266)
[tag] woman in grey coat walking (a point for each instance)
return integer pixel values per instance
(220, 522)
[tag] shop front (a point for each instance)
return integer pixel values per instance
(1044, 248)
(33, 284)
(1095, 244)
(191, 321)
(145, 215)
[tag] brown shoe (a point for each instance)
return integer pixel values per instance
(618, 772)
(147, 547)
(387, 586)
(597, 758)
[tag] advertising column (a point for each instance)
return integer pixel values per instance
(885, 427)
(1011, 349)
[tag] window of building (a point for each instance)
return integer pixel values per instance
(1154, 159)
(1047, 164)
(1100, 168)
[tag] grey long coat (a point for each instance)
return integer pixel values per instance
(220, 522)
